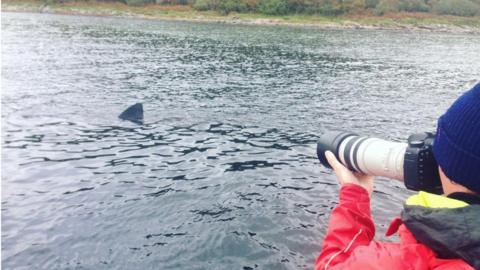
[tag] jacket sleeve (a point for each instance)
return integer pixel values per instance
(350, 226)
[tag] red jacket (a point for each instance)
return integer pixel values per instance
(349, 242)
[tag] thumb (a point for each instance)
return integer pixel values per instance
(340, 171)
(333, 161)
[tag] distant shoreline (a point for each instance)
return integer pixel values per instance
(392, 21)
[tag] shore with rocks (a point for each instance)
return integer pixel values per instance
(392, 21)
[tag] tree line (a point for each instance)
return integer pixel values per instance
(322, 7)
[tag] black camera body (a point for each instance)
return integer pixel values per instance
(420, 168)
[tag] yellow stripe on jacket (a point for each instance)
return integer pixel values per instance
(430, 200)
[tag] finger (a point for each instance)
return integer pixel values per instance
(360, 174)
(333, 161)
(336, 166)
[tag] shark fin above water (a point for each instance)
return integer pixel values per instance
(133, 113)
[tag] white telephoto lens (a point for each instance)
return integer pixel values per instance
(373, 156)
(381, 158)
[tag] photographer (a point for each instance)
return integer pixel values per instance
(436, 232)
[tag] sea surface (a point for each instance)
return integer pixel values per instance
(223, 173)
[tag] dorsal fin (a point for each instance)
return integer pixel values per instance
(133, 113)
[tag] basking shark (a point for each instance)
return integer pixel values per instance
(133, 113)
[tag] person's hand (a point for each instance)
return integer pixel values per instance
(345, 176)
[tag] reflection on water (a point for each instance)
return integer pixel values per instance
(223, 173)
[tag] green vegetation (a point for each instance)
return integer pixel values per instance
(457, 7)
(318, 7)
(249, 13)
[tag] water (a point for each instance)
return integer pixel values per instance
(223, 174)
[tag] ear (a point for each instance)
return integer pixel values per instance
(450, 186)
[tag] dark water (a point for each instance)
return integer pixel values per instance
(223, 175)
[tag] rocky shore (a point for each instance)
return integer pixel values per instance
(154, 12)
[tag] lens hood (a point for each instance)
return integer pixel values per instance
(330, 141)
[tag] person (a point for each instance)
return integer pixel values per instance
(436, 232)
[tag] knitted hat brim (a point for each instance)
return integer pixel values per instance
(458, 164)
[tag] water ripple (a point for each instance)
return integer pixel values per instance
(223, 171)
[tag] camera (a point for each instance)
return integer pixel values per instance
(411, 162)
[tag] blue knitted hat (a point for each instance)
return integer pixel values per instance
(457, 143)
